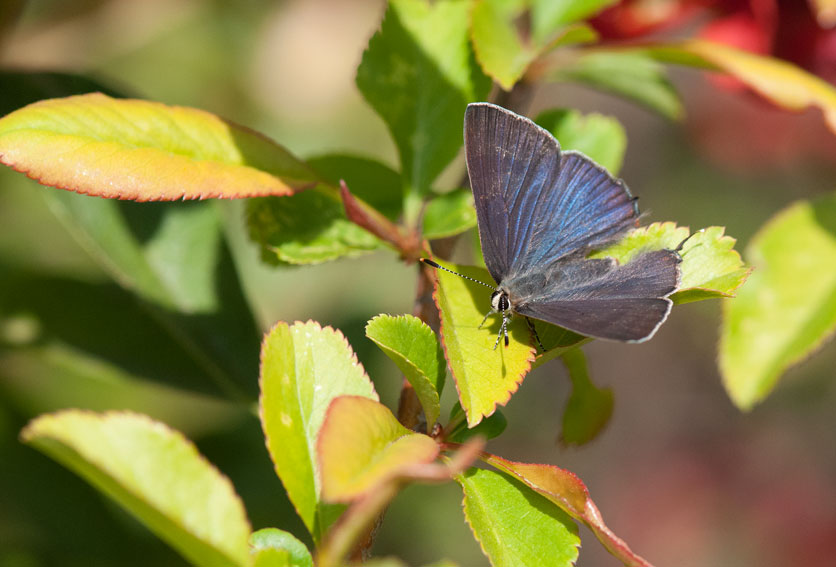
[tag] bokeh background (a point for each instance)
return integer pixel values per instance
(680, 474)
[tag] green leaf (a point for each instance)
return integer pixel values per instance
(566, 490)
(144, 151)
(303, 368)
(787, 309)
(173, 257)
(272, 547)
(362, 445)
(500, 50)
(418, 73)
(309, 227)
(556, 340)
(589, 408)
(414, 347)
(548, 16)
(489, 428)
(484, 376)
(514, 525)
(600, 137)
(506, 48)
(25, 87)
(780, 82)
(449, 214)
(710, 266)
(373, 182)
(629, 74)
(155, 474)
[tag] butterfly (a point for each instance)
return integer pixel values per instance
(540, 212)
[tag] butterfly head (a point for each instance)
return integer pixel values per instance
(499, 301)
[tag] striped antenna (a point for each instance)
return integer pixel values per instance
(436, 266)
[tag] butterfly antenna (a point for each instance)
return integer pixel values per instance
(434, 265)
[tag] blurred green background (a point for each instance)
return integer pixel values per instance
(680, 474)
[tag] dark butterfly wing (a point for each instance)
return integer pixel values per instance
(534, 204)
(600, 298)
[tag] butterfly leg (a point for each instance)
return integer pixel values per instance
(503, 330)
(534, 332)
(488, 314)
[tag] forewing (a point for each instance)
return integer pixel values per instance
(510, 164)
(535, 205)
(601, 299)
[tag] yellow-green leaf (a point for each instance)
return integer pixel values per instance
(418, 73)
(144, 151)
(484, 376)
(414, 347)
(567, 491)
(787, 309)
(303, 368)
(272, 547)
(598, 136)
(155, 474)
(514, 525)
(782, 83)
(506, 53)
(710, 266)
(362, 445)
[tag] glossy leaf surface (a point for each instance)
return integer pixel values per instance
(303, 368)
(506, 48)
(787, 309)
(418, 73)
(272, 547)
(710, 267)
(362, 445)
(144, 151)
(597, 136)
(156, 475)
(414, 347)
(514, 525)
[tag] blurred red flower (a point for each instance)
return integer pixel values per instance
(744, 135)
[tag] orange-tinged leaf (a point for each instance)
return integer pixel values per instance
(484, 376)
(303, 368)
(782, 83)
(361, 445)
(570, 493)
(144, 151)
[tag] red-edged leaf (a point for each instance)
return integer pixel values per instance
(144, 151)
(570, 493)
(361, 444)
